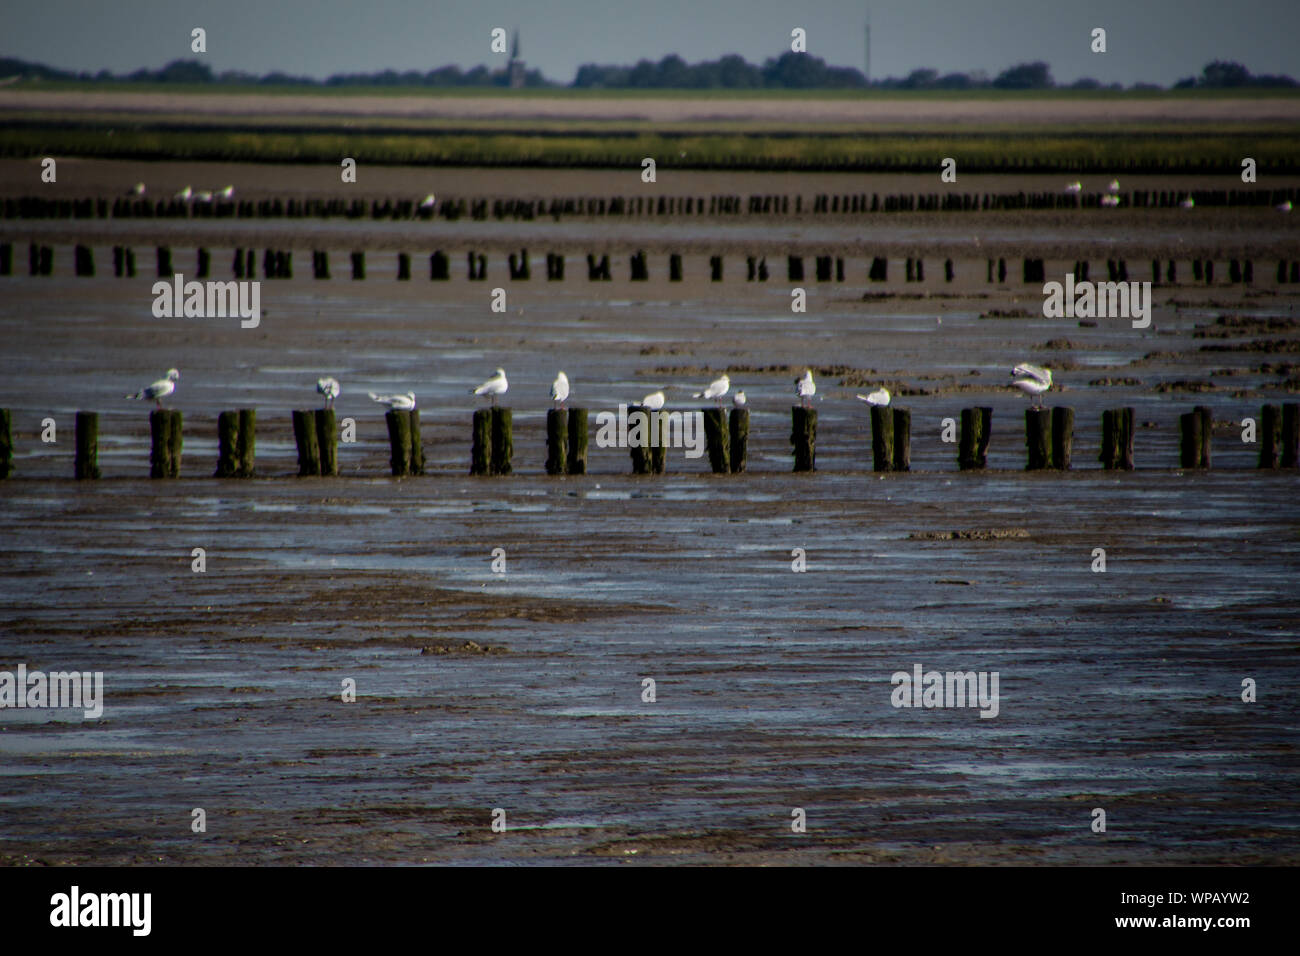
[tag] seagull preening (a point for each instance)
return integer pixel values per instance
(1034, 381)
(879, 397)
(329, 387)
(560, 389)
(715, 389)
(494, 386)
(159, 389)
(805, 388)
(400, 403)
(654, 401)
(738, 400)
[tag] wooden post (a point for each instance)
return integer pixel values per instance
(1062, 437)
(639, 451)
(358, 265)
(739, 426)
(87, 461)
(6, 443)
(675, 267)
(399, 442)
(165, 443)
(1270, 435)
(403, 266)
(902, 439)
(1206, 432)
(1117, 439)
(304, 435)
(577, 463)
(164, 261)
(1038, 438)
(1197, 426)
(503, 442)
(480, 462)
(882, 438)
(557, 442)
(327, 440)
(1290, 435)
(803, 436)
(415, 446)
(972, 447)
(659, 447)
(227, 445)
(717, 439)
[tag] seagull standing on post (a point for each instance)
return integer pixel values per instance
(159, 389)
(879, 397)
(400, 403)
(805, 387)
(715, 389)
(329, 387)
(560, 389)
(496, 385)
(1034, 380)
(654, 401)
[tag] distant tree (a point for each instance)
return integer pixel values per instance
(1025, 76)
(953, 81)
(1223, 73)
(1085, 83)
(1186, 83)
(1145, 86)
(183, 71)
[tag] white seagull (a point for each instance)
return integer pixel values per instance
(494, 386)
(329, 387)
(1034, 380)
(401, 403)
(159, 389)
(654, 401)
(227, 192)
(1110, 201)
(203, 195)
(560, 389)
(805, 387)
(1114, 186)
(715, 389)
(427, 202)
(879, 397)
(137, 189)
(1074, 187)
(184, 195)
(1284, 207)
(1188, 203)
(738, 400)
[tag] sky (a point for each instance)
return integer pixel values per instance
(1158, 41)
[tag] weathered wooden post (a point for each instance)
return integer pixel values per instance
(717, 438)
(480, 462)
(399, 441)
(803, 436)
(227, 445)
(327, 441)
(1038, 438)
(1196, 428)
(658, 425)
(358, 265)
(902, 439)
(638, 422)
(203, 268)
(6, 443)
(577, 461)
(794, 268)
(84, 261)
(973, 443)
(304, 436)
(882, 438)
(439, 267)
(1270, 435)
(557, 441)
(1117, 439)
(675, 267)
(87, 460)
(164, 261)
(165, 443)
(715, 268)
(503, 443)
(739, 427)
(1062, 437)
(414, 448)
(403, 266)
(1291, 435)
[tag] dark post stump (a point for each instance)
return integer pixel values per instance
(577, 463)
(1038, 438)
(480, 462)
(973, 443)
(659, 445)
(358, 265)
(227, 445)
(803, 436)
(403, 266)
(87, 461)
(639, 451)
(557, 442)
(246, 453)
(503, 442)
(902, 439)
(1194, 445)
(327, 440)
(1117, 439)
(164, 261)
(1270, 435)
(882, 438)
(415, 446)
(165, 443)
(304, 435)
(1290, 435)
(1062, 437)
(6, 444)
(739, 426)
(399, 442)
(717, 438)
(1206, 432)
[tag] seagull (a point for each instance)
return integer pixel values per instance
(1284, 207)
(738, 400)
(159, 389)
(427, 202)
(715, 389)
(184, 195)
(879, 397)
(400, 403)
(560, 389)
(494, 386)
(227, 192)
(1188, 203)
(1110, 201)
(1114, 186)
(1074, 187)
(654, 401)
(203, 195)
(1035, 380)
(805, 387)
(137, 190)
(329, 387)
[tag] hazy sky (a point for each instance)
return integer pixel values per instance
(1152, 40)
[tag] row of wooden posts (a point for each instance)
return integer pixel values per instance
(454, 208)
(278, 264)
(1049, 439)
